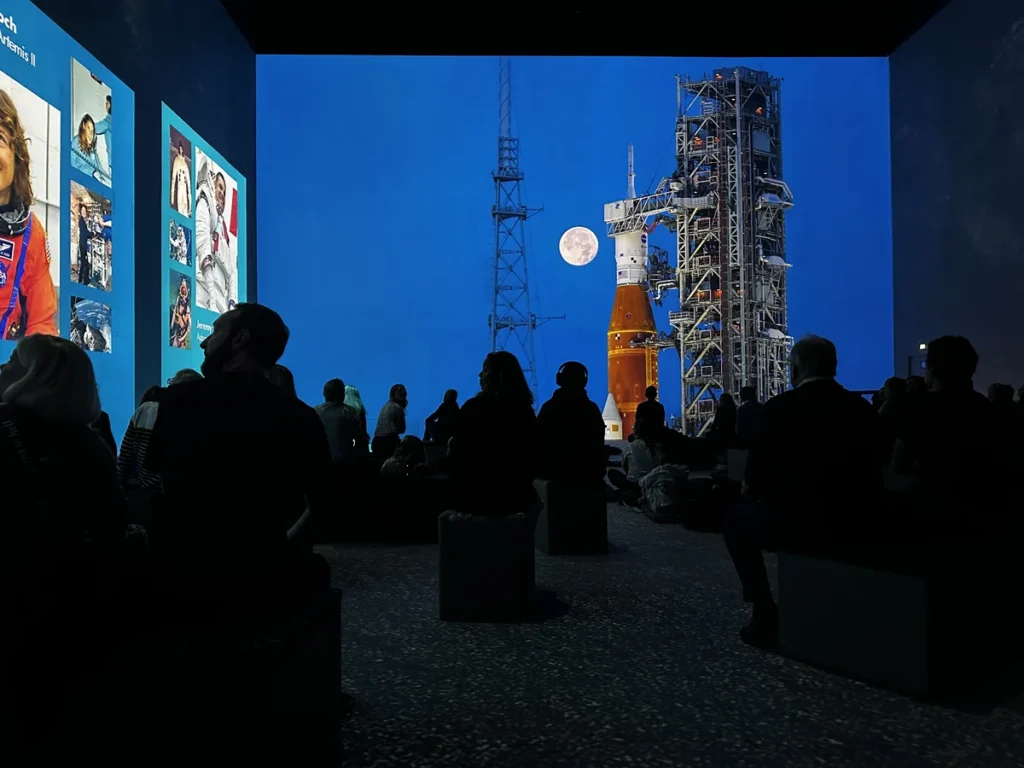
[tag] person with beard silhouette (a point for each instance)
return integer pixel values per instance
(571, 432)
(245, 469)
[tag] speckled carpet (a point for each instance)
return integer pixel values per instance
(642, 668)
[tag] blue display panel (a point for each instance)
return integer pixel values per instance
(66, 176)
(203, 218)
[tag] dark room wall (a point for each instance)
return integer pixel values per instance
(189, 54)
(957, 122)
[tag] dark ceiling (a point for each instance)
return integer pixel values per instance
(868, 28)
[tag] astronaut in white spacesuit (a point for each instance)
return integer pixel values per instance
(216, 272)
(179, 247)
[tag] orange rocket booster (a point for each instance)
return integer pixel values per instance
(631, 369)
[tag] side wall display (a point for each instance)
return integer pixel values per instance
(66, 176)
(204, 272)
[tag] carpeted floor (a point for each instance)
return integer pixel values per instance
(642, 668)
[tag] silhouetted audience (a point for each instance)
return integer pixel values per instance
(131, 460)
(570, 432)
(748, 417)
(409, 458)
(390, 423)
(493, 449)
(812, 477)
(353, 400)
(650, 410)
(64, 539)
(949, 437)
(341, 423)
(245, 469)
(638, 459)
(440, 425)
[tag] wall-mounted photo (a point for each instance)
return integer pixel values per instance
(91, 325)
(181, 173)
(91, 238)
(216, 236)
(181, 243)
(30, 225)
(180, 300)
(91, 138)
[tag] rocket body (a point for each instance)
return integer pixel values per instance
(631, 369)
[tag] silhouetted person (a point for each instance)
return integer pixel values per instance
(650, 410)
(813, 472)
(570, 429)
(492, 451)
(723, 428)
(893, 391)
(916, 385)
(638, 460)
(947, 435)
(341, 422)
(440, 425)
(748, 417)
(409, 458)
(281, 377)
(63, 537)
(353, 400)
(390, 423)
(245, 469)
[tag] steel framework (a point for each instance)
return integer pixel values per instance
(726, 203)
(511, 321)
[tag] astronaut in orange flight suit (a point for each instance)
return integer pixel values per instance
(28, 299)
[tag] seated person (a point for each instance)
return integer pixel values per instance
(131, 458)
(439, 424)
(409, 458)
(64, 544)
(948, 437)
(812, 475)
(492, 451)
(245, 469)
(637, 461)
(341, 423)
(570, 429)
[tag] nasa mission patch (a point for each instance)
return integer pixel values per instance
(6, 249)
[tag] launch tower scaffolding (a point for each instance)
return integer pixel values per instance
(726, 202)
(512, 321)
(730, 240)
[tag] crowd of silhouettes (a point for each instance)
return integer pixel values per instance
(212, 503)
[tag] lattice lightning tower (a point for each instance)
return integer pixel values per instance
(726, 202)
(512, 321)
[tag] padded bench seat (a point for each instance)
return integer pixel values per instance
(927, 631)
(573, 521)
(486, 567)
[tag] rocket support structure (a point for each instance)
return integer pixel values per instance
(726, 203)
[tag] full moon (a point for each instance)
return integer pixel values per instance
(578, 246)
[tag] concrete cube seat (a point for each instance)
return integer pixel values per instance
(921, 631)
(486, 567)
(573, 521)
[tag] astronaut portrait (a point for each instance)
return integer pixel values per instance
(181, 173)
(90, 325)
(92, 124)
(180, 244)
(29, 227)
(215, 236)
(180, 336)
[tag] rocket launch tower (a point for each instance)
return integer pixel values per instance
(725, 202)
